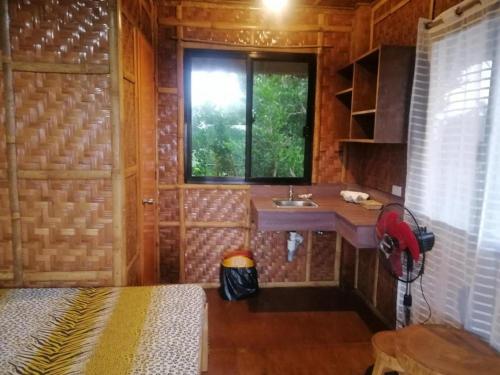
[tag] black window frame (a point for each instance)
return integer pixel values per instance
(249, 57)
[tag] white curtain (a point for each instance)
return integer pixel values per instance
(453, 181)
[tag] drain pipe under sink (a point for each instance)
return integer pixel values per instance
(294, 240)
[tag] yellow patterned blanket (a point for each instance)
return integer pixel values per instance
(132, 330)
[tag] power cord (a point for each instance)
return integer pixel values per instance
(425, 299)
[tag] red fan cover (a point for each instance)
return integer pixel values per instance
(391, 224)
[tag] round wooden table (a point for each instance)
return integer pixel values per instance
(437, 349)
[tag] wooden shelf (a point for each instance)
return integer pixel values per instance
(344, 92)
(376, 96)
(345, 96)
(347, 71)
(365, 112)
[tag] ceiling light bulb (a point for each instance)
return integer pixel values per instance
(275, 6)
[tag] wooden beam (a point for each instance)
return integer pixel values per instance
(43, 67)
(308, 255)
(338, 254)
(6, 275)
(10, 134)
(168, 186)
(167, 90)
(118, 179)
(67, 276)
(356, 269)
(63, 175)
(250, 5)
(207, 44)
(167, 224)
(317, 104)
(248, 220)
(217, 25)
(215, 224)
(375, 280)
(215, 186)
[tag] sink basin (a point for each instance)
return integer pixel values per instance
(295, 203)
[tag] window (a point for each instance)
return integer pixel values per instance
(249, 116)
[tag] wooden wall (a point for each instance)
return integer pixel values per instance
(199, 222)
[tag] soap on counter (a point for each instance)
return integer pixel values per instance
(371, 204)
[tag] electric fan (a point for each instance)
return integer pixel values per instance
(402, 247)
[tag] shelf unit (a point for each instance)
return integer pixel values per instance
(376, 95)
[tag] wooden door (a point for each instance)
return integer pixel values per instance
(147, 161)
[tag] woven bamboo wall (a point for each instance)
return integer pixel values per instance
(59, 56)
(197, 223)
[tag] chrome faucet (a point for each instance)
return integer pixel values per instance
(290, 193)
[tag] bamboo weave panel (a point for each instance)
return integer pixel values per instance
(337, 17)
(269, 250)
(167, 138)
(242, 16)
(285, 38)
(166, 9)
(329, 168)
(167, 117)
(441, 5)
(131, 224)
(215, 205)
(127, 39)
(167, 57)
(6, 255)
(168, 205)
(130, 124)
(169, 255)
(213, 35)
(323, 257)
(400, 27)
(204, 250)
(62, 31)
(167, 161)
(63, 121)
(66, 225)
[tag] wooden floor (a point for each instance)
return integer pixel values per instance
(290, 331)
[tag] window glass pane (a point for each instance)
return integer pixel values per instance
(280, 115)
(218, 116)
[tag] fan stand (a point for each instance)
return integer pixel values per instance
(407, 300)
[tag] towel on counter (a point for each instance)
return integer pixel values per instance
(353, 196)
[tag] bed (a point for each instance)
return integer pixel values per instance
(129, 330)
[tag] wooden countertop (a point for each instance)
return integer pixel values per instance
(351, 221)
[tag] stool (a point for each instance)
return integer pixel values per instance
(384, 349)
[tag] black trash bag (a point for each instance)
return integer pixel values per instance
(238, 283)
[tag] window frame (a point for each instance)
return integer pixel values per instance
(249, 57)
